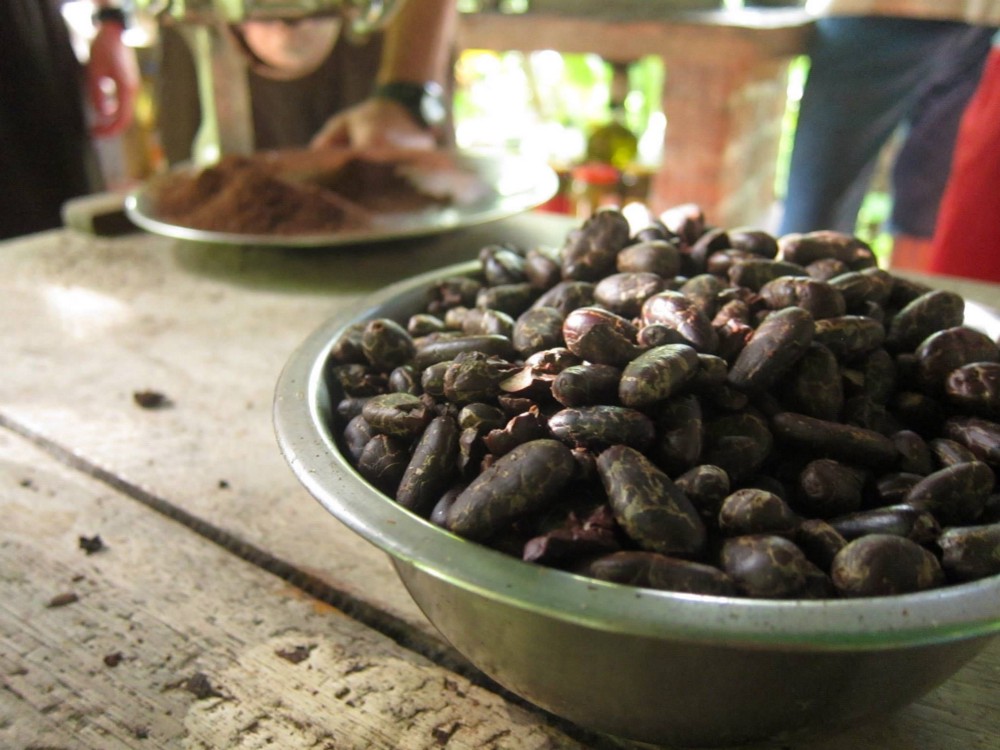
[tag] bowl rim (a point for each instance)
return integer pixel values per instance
(940, 615)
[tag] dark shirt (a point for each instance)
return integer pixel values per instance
(45, 151)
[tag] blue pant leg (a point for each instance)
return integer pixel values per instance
(921, 168)
(865, 76)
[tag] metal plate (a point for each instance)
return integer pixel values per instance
(517, 184)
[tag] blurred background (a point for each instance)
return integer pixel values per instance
(710, 119)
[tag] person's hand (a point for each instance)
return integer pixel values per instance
(112, 81)
(374, 123)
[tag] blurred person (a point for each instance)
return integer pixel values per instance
(967, 237)
(869, 76)
(387, 90)
(48, 155)
(406, 108)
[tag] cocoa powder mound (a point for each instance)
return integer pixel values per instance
(241, 196)
(288, 194)
(377, 186)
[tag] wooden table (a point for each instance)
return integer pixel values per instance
(225, 608)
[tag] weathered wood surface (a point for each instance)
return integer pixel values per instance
(210, 327)
(89, 322)
(162, 639)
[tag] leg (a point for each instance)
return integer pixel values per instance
(921, 167)
(866, 75)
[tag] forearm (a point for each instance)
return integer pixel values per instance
(418, 42)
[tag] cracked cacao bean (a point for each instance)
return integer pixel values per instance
(587, 385)
(980, 436)
(651, 509)
(653, 256)
(819, 299)
(843, 442)
(679, 436)
(956, 495)
(969, 553)
(537, 329)
(882, 564)
(927, 314)
(525, 480)
(431, 468)
(676, 311)
(446, 349)
(655, 571)
(601, 336)
(907, 521)
(755, 511)
(765, 566)
(850, 336)
(625, 293)
(774, 347)
(590, 252)
(829, 488)
(657, 374)
(383, 461)
(807, 247)
(597, 427)
(814, 386)
(947, 350)
(386, 344)
(401, 415)
(975, 389)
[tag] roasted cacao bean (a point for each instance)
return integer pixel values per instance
(754, 511)
(655, 571)
(657, 374)
(523, 481)
(971, 552)
(431, 468)
(881, 564)
(648, 506)
(774, 347)
(765, 566)
(601, 426)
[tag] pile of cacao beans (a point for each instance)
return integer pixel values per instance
(684, 407)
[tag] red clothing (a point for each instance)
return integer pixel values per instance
(967, 238)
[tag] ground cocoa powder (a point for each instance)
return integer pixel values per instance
(240, 196)
(247, 195)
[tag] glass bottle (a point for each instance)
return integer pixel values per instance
(613, 142)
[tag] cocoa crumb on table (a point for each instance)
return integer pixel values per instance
(62, 600)
(149, 399)
(199, 686)
(442, 735)
(91, 544)
(297, 654)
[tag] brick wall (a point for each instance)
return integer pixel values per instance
(722, 137)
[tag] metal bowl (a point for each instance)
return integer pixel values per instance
(647, 665)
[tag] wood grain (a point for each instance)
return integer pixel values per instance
(171, 641)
